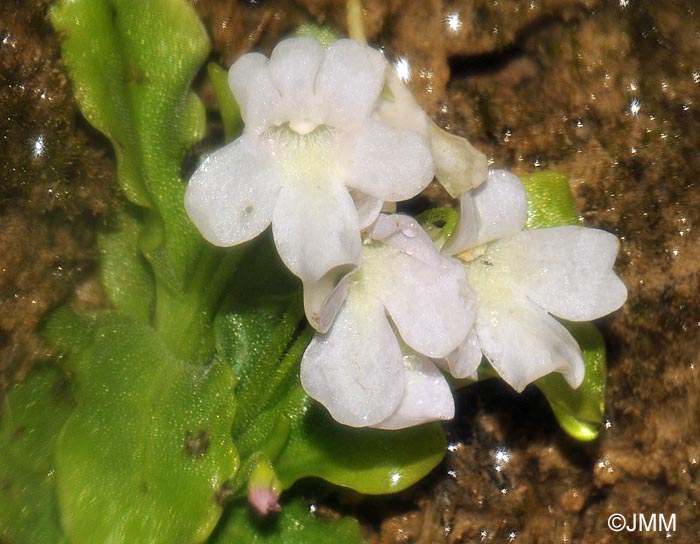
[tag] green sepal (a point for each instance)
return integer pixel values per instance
(31, 416)
(580, 411)
(324, 35)
(295, 524)
(549, 200)
(228, 107)
(439, 223)
(131, 70)
(148, 448)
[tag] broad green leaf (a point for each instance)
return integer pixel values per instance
(131, 63)
(69, 332)
(148, 447)
(294, 525)
(367, 460)
(580, 411)
(126, 275)
(549, 200)
(31, 417)
(228, 107)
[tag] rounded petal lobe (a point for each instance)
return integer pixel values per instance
(465, 360)
(501, 206)
(568, 270)
(316, 229)
(294, 64)
(356, 370)
(349, 81)
(432, 306)
(427, 396)
(387, 163)
(256, 93)
(524, 343)
(231, 196)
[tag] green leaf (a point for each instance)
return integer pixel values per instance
(369, 461)
(131, 64)
(228, 107)
(126, 276)
(32, 415)
(294, 525)
(580, 411)
(148, 447)
(69, 332)
(549, 200)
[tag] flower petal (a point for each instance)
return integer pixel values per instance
(431, 305)
(524, 343)
(404, 233)
(368, 208)
(387, 163)
(231, 196)
(498, 208)
(294, 64)
(316, 229)
(465, 360)
(459, 166)
(256, 93)
(349, 81)
(567, 270)
(356, 370)
(427, 396)
(323, 298)
(402, 110)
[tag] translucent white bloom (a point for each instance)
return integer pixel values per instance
(405, 305)
(459, 166)
(313, 159)
(521, 277)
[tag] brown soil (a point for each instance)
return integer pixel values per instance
(607, 92)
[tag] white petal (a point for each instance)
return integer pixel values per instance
(323, 298)
(231, 196)
(404, 233)
(432, 306)
(465, 360)
(501, 206)
(368, 208)
(402, 110)
(316, 229)
(463, 238)
(459, 166)
(567, 270)
(524, 343)
(427, 396)
(294, 65)
(349, 81)
(498, 208)
(257, 96)
(356, 370)
(387, 163)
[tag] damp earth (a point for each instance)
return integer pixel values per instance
(607, 92)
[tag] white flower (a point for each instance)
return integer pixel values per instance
(521, 277)
(405, 305)
(311, 143)
(459, 166)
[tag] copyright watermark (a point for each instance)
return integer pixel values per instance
(645, 523)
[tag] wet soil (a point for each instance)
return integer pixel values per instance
(607, 92)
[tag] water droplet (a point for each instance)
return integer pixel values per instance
(410, 230)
